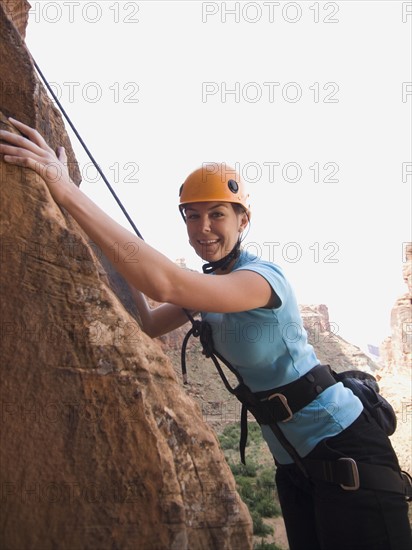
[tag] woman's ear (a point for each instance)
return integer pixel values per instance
(245, 220)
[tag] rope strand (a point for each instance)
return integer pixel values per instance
(100, 171)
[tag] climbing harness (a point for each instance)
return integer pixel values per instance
(278, 405)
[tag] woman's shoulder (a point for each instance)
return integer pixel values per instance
(249, 260)
(272, 272)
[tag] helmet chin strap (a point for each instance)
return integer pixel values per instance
(224, 262)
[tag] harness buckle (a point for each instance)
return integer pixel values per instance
(353, 470)
(282, 398)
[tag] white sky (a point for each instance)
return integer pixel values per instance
(148, 85)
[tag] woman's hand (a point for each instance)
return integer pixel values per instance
(33, 152)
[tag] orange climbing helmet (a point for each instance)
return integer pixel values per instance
(213, 182)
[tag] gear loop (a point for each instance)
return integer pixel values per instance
(203, 330)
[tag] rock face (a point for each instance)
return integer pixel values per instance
(396, 350)
(21, 94)
(396, 355)
(100, 447)
(18, 12)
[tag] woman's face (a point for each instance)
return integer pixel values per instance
(213, 228)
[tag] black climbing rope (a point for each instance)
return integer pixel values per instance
(100, 171)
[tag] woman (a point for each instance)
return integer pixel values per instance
(257, 327)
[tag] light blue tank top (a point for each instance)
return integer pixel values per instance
(269, 348)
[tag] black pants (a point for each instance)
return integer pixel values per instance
(323, 516)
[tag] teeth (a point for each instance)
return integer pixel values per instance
(208, 242)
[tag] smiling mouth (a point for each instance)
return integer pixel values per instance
(208, 242)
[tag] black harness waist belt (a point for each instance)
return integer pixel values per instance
(351, 475)
(281, 403)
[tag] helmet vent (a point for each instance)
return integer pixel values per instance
(233, 186)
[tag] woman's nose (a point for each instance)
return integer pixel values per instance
(205, 223)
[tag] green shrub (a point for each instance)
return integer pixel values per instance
(255, 433)
(228, 442)
(231, 430)
(229, 438)
(255, 482)
(267, 507)
(259, 528)
(247, 470)
(246, 491)
(266, 478)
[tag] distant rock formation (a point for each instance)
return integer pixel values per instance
(100, 447)
(396, 374)
(396, 350)
(331, 348)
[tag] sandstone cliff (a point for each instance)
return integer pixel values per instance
(18, 12)
(100, 447)
(396, 350)
(396, 374)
